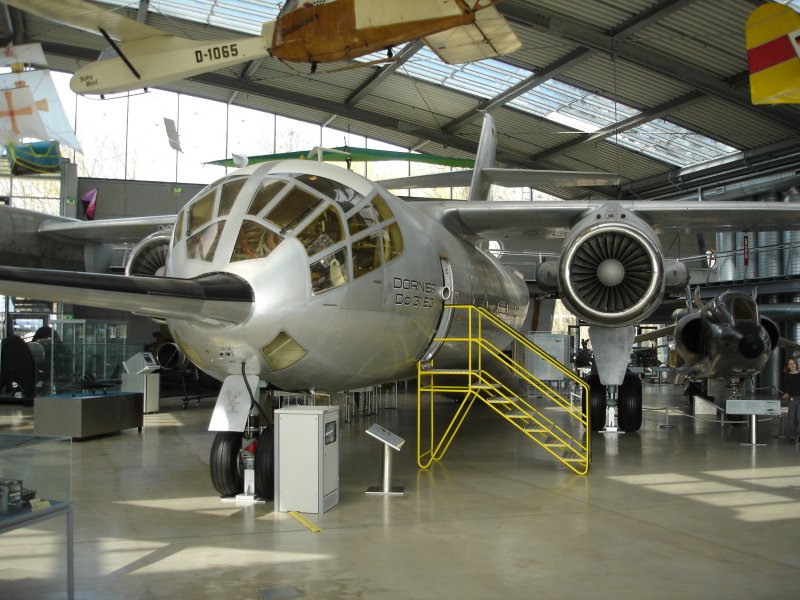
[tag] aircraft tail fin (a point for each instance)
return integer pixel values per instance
(481, 186)
(772, 37)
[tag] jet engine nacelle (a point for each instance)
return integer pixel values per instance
(149, 256)
(612, 271)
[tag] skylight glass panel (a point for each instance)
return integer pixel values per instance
(795, 4)
(246, 16)
(562, 103)
(671, 143)
(485, 78)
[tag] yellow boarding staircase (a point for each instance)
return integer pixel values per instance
(567, 440)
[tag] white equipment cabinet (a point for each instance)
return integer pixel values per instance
(307, 458)
(556, 345)
(140, 377)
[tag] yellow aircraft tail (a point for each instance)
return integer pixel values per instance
(772, 36)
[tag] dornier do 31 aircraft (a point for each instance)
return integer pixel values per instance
(305, 275)
(322, 31)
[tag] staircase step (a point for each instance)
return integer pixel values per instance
(499, 400)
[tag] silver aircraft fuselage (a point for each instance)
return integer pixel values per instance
(350, 283)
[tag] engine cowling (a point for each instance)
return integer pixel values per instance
(611, 271)
(149, 256)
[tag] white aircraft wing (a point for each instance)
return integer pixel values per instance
(504, 178)
(218, 298)
(88, 17)
(488, 37)
(130, 230)
(555, 218)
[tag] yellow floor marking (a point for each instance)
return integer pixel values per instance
(304, 522)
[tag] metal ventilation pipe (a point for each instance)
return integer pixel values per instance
(726, 262)
(792, 266)
(740, 190)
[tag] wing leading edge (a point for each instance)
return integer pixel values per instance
(219, 298)
(526, 219)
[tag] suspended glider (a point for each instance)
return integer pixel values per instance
(322, 31)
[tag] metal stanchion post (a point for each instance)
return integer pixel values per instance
(665, 424)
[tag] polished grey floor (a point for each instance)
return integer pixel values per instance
(686, 512)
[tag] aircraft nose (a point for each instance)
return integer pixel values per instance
(751, 346)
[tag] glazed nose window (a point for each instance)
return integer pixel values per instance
(293, 208)
(254, 241)
(326, 230)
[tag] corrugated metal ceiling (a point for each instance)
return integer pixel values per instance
(628, 57)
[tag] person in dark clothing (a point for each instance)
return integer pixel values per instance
(791, 393)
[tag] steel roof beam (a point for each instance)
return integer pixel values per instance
(625, 30)
(701, 80)
(549, 72)
(620, 126)
(403, 56)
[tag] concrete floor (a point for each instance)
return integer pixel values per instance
(686, 512)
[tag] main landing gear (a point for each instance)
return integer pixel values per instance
(628, 404)
(244, 463)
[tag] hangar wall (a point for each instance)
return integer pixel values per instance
(120, 198)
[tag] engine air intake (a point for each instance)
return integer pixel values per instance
(612, 274)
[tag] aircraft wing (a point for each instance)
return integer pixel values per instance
(88, 17)
(488, 37)
(555, 218)
(131, 229)
(218, 298)
(504, 178)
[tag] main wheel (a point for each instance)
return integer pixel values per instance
(597, 402)
(265, 464)
(227, 471)
(629, 404)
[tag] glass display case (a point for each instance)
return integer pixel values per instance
(84, 354)
(35, 485)
(34, 469)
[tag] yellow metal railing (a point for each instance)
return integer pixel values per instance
(476, 382)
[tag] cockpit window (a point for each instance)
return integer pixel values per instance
(366, 255)
(202, 211)
(366, 217)
(329, 272)
(741, 309)
(266, 192)
(345, 196)
(392, 242)
(229, 192)
(324, 231)
(254, 241)
(293, 208)
(179, 227)
(384, 211)
(203, 245)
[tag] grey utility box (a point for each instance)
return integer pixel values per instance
(307, 458)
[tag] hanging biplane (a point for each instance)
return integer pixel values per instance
(322, 31)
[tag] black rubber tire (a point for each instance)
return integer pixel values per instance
(227, 472)
(265, 464)
(629, 404)
(597, 402)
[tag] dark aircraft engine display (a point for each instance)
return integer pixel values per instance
(727, 338)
